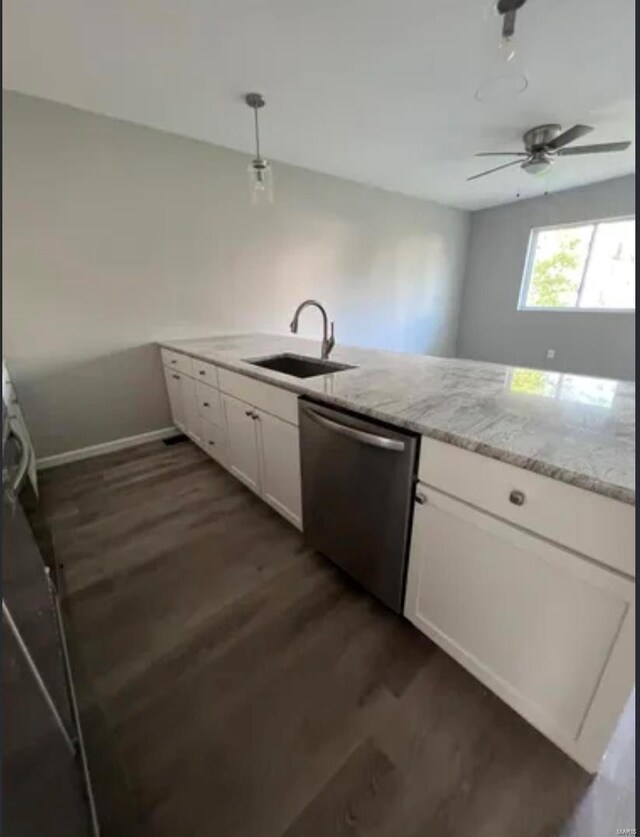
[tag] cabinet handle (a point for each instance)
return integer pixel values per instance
(177, 377)
(421, 499)
(255, 417)
(205, 404)
(202, 372)
(211, 443)
(174, 361)
(517, 498)
(249, 413)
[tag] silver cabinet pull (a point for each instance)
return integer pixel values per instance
(174, 361)
(202, 372)
(517, 498)
(421, 499)
(248, 413)
(205, 404)
(177, 377)
(211, 443)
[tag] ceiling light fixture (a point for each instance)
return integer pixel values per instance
(539, 163)
(259, 170)
(508, 9)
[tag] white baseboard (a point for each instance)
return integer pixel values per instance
(105, 447)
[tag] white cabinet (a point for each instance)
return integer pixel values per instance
(242, 442)
(536, 623)
(252, 432)
(281, 481)
(213, 441)
(264, 452)
(190, 401)
(174, 391)
(184, 404)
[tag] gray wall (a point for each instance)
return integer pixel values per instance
(117, 235)
(491, 328)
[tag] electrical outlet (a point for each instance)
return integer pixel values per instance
(551, 353)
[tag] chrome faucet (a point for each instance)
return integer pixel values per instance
(328, 341)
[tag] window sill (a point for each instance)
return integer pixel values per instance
(630, 311)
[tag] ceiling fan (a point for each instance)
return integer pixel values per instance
(546, 142)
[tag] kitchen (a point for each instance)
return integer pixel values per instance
(339, 468)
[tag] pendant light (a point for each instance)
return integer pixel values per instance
(508, 10)
(259, 171)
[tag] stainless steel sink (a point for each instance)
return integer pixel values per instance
(299, 366)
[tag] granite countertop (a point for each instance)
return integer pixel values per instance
(572, 428)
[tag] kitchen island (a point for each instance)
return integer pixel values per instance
(521, 563)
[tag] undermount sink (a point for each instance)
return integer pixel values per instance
(299, 366)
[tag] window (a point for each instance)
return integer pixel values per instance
(581, 267)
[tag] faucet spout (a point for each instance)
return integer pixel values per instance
(328, 340)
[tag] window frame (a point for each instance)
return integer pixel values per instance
(528, 270)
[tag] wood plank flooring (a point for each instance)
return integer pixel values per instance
(235, 684)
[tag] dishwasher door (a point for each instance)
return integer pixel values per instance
(358, 481)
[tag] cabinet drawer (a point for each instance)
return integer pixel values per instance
(175, 360)
(213, 441)
(278, 402)
(209, 404)
(205, 372)
(596, 526)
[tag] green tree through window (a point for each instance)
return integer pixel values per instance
(553, 279)
(582, 266)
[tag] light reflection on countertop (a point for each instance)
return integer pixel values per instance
(573, 428)
(596, 392)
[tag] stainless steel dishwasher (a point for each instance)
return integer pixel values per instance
(358, 479)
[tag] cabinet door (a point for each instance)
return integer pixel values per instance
(534, 622)
(242, 441)
(280, 459)
(213, 441)
(176, 402)
(193, 420)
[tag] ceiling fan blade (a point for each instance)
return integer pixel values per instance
(571, 135)
(502, 154)
(594, 149)
(497, 168)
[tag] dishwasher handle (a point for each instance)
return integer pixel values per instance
(371, 439)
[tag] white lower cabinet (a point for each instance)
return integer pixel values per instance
(536, 623)
(242, 442)
(281, 480)
(184, 405)
(264, 452)
(190, 400)
(259, 448)
(214, 442)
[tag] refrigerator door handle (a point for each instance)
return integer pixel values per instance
(371, 439)
(14, 481)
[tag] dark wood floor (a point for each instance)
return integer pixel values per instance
(235, 684)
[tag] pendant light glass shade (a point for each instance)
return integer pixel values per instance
(259, 171)
(260, 176)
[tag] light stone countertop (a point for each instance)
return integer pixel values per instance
(572, 428)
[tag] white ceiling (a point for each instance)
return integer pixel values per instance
(377, 91)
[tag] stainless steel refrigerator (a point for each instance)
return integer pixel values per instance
(46, 784)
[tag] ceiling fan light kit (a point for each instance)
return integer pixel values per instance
(544, 143)
(259, 170)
